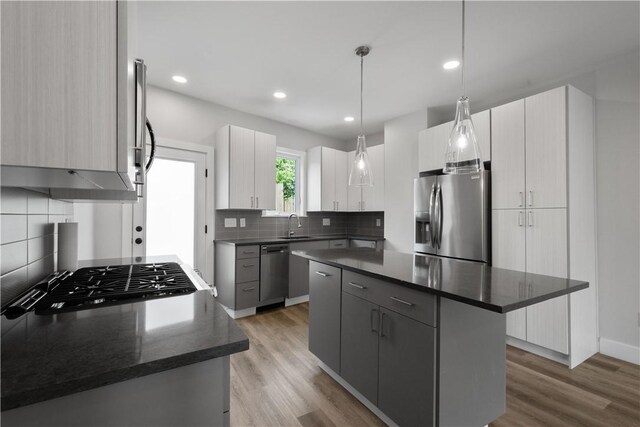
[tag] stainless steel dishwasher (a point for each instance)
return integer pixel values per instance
(274, 271)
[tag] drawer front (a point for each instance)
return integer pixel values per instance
(247, 295)
(412, 303)
(337, 244)
(243, 252)
(247, 270)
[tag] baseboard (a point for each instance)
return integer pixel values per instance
(620, 350)
(297, 300)
(537, 350)
(366, 402)
(237, 314)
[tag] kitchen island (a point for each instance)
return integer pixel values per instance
(161, 361)
(420, 340)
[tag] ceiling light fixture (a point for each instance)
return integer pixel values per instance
(279, 95)
(463, 153)
(179, 79)
(360, 175)
(349, 119)
(450, 65)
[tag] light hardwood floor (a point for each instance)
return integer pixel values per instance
(278, 382)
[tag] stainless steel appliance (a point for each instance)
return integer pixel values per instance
(106, 285)
(452, 215)
(274, 271)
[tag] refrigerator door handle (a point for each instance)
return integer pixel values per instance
(438, 211)
(431, 225)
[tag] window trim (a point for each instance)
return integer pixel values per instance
(301, 161)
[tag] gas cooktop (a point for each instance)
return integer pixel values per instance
(97, 286)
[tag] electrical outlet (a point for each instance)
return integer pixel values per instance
(326, 222)
(378, 222)
(243, 222)
(230, 222)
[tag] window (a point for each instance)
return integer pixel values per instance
(288, 183)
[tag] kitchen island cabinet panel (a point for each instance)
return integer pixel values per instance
(407, 382)
(299, 267)
(324, 313)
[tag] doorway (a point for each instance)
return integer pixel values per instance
(171, 217)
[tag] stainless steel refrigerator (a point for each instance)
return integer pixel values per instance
(452, 215)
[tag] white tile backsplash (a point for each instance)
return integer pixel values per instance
(13, 227)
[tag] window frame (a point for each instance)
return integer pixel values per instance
(301, 158)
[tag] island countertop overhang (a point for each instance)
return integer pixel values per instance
(477, 284)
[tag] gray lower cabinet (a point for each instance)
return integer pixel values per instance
(406, 375)
(237, 275)
(359, 345)
(324, 313)
(299, 267)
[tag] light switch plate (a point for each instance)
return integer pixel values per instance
(326, 221)
(243, 222)
(378, 222)
(230, 222)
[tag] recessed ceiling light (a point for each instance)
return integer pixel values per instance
(450, 65)
(279, 95)
(179, 79)
(348, 119)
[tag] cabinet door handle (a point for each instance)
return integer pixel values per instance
(530, 198)
(337, 206)
(247, 252)
(248, 289)
(320, 273)
(521, 199)
(373, 310)
(355, 285)
(382, 325)
(248, 265)
(407, 303)
(520, 219)
(257, 202)
(530, 218)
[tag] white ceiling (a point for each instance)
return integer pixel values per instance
(238, 53)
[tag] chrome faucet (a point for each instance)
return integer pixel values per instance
(289, 223)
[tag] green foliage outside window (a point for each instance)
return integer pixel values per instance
(286, 175)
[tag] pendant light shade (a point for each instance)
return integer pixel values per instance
(463, 152)
(360, 171)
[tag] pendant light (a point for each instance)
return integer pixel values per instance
(360, 173)
(463, 153)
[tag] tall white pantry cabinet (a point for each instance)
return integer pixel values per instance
(543, 215)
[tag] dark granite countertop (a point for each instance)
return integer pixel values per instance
(48, 356)
(491, 288)
(267, 240)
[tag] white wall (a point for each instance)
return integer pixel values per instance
(401, 168)
(185, 118)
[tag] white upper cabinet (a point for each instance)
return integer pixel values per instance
(507, 156)
(432, 142)
(369, 198)
(69, 96)
(546, 149)
(327, 179)
(265, 171)
(245, 169)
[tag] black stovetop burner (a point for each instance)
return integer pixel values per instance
(97, 286)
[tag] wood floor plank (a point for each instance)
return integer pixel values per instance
(277, 382)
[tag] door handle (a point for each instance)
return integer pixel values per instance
(355, 285)
(373, 310)
(520, 219)
(521, 199)
(407, 303)
(530, 218)
(257, 202)
(248, 289)
(438, 209)
(382, 325)
(432, 227)
(248, 265)
(530, 198)
(320, 273)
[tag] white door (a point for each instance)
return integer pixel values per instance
(507, 156)
(265, 171)
(170, 218)
(508, 251)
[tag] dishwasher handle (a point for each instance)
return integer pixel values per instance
(269, 249)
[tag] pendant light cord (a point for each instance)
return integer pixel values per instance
(361, 90)
(462, 53)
